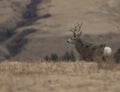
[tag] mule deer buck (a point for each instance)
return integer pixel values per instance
(88, 51)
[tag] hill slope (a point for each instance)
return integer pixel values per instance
(51, 19)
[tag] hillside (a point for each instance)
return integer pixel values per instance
(41, 27)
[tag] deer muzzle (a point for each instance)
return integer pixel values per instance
(69, 41)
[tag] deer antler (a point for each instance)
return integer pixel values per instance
(74, 31)
(77, 30)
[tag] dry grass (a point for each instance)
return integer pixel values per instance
(60, 77)
(108, 63)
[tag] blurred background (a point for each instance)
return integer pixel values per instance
(32, 29)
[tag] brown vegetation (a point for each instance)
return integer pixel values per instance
(60, 77)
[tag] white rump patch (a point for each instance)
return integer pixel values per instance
(107, 51)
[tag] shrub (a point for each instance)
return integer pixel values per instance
(47, 58)
(117, 56)
(54, 57)
(68, 56)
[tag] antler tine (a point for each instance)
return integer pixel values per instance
(80, 26)
(76, 30)
(79, 29)
(73, 30)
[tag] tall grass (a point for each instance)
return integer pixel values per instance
(51, 67)
(31, 76)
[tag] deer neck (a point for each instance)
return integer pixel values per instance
(79, 44)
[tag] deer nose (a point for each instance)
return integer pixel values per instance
(69, 40)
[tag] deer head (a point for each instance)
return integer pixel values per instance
(76, 34)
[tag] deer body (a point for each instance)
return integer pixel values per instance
(88, 51)
(82, 48)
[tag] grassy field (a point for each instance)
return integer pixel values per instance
(51, 20)
(58, 77)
